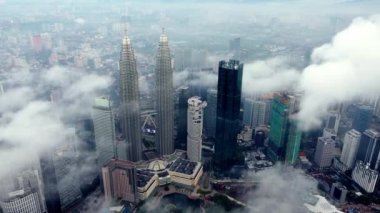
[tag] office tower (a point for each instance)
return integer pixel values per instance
(165, 103)
(210, 112)
(350, 147)
(51, 194)
(377, 107)
(119, 181)
(254, 112)
(21, 201)
(129, 95)
(293, 144)
(365, 177)
(338, 192)
(369, 149)
(228, 110)
(329, 133)
(284, 136)
(2, 91)
(183, 96)
(324, 152)
(65, 159)
(332, 121)
(23, 191)
(104, 129)
(194, 128)
(362, 117)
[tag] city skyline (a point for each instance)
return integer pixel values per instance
(253, 106)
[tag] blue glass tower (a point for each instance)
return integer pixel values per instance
(362, 117)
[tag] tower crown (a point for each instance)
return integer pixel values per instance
(163, 37)
(126, 40)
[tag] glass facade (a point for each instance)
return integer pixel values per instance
(285, 136)
(228, 111)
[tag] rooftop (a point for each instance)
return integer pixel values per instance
(183, 166)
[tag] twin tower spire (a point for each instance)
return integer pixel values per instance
(129, 95)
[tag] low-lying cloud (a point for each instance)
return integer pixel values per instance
(30, 124)
(281, 189)
(270, 75)
(342, 70)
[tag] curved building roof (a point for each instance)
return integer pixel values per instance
(157, 165)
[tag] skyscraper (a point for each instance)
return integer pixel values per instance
(254, 112)
(23, 201)
(332, 121)
(119, 181)
(165, 103)
(104, 129)
(284, 136)
(324, 152)
(194, 128)
(210, 112)
(369, 149)
(362, 117)
(129, 93)
(23, 191)
(293, 144)
(365, 177)
(228, 109)
(350, 148)
(65, 160)
(183, 96)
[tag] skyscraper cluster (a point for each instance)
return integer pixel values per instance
(109, 145)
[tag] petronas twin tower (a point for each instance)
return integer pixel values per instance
(129, 93)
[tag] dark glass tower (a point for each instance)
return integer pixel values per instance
(129, 93)
(369, 149)
(210, 113)
(165, 102)
(228, 110)
(183, 96)
(362, 117)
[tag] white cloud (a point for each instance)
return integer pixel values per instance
(268, 75)
(281, 189)
(342, 70)
(30, 124)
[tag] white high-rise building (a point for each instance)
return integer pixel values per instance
(194, 128)
(365, 177)
(1, 88)
(23, 191)
(350, 147)
(22, 201)
(255, 112)
(329, 133)
(324, 152)
(104, 128)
